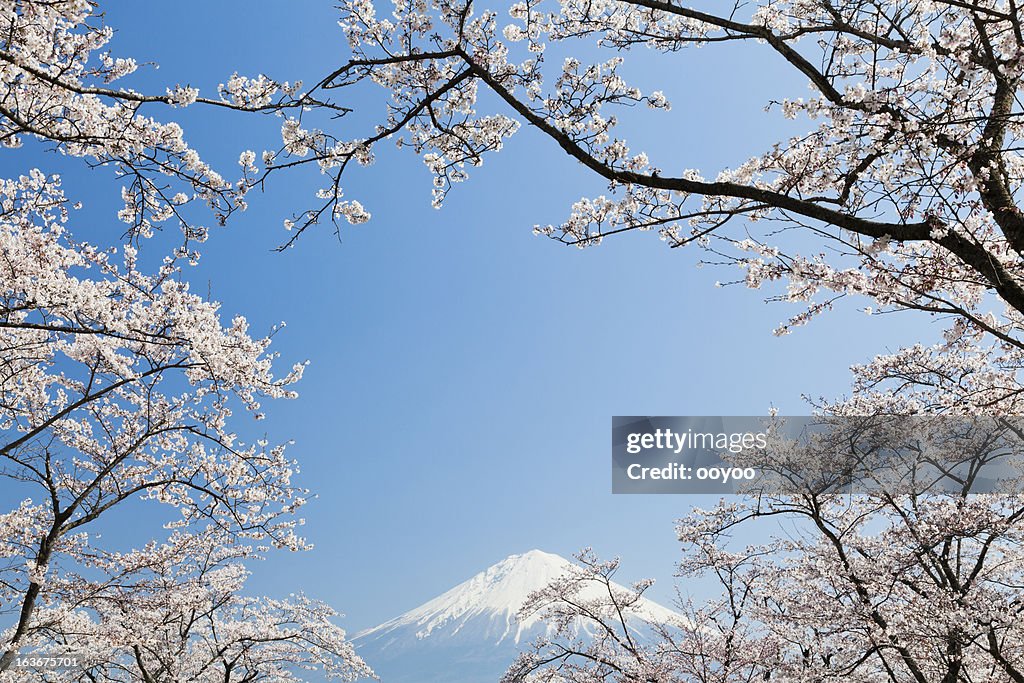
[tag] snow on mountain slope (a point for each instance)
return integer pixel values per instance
(471, 633)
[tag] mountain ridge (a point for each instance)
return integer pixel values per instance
(471, 632)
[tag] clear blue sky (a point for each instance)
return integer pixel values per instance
(463, 372)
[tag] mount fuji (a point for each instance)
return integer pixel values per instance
(470, 634)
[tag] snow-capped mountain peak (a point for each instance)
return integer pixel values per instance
(499, 590)
(490, 601)
(470, 634)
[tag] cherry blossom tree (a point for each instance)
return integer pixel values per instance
(915, 576)
(121, 387)
(58, 76)
(177, 612)
(904, 188)
(618, 650)
(119, 383)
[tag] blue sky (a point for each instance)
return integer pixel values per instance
(464, 372)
